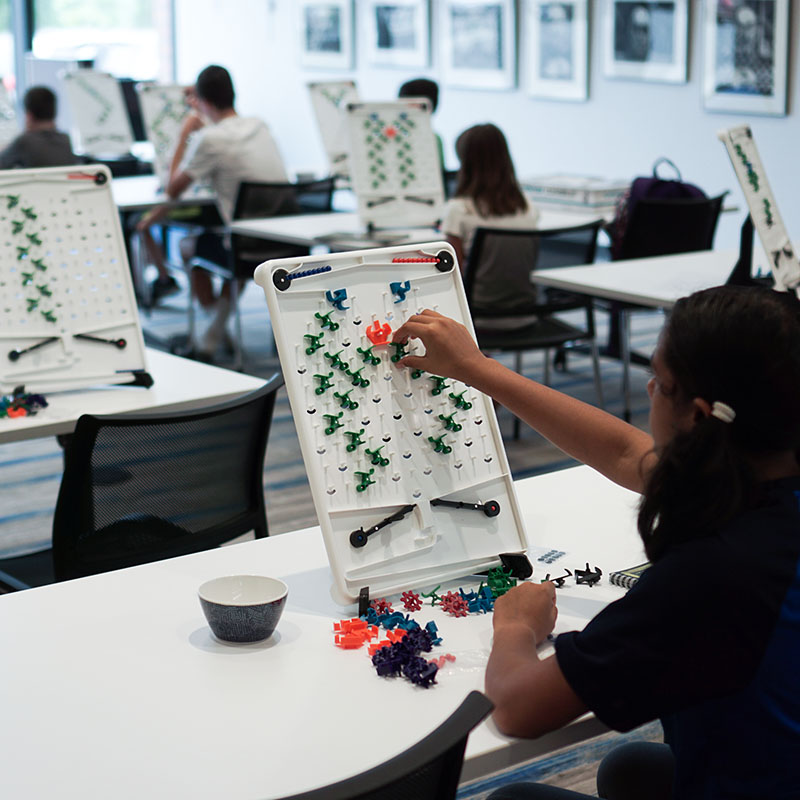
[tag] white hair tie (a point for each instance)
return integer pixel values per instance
(723, 411)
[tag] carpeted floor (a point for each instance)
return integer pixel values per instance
(30, 472)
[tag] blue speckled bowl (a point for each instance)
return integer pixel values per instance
(243, 608)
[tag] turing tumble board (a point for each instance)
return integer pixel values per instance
(99, 112)
(164, 108)
(69, 316)
(749, 170)
(329, 100)
(384, 445)
(395, 166)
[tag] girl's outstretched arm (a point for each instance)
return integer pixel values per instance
(618, 450)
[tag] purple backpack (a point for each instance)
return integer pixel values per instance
(651, 188)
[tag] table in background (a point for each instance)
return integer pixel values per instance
(345, 231)
(654, 282)
(114, 687)
(179, 385)
(143, 192)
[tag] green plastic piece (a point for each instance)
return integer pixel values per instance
(449, 423)
(336, 361)
(459, 401)
(39, 264)
(500, 581)
(49, 316)
(399, 351)
(355, 439)
(357, 379)
(368, 357)
(324, 382)
(315, 342)
(13, 200)
(27, 278)
(33, 238)
(417, 373)
(29, 213)
(44, 290)
(377, 458)
(22, 252)
(366, 480)
(439, 445)
(333, 419)
(344, 399)
(440, 386)
(33, 302)
(17, 225)
(325, 321)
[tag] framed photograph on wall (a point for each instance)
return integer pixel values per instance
(398, 32)
(746, 56)
(646, 40)
(555, 49)
(326, 34)
(479, 43)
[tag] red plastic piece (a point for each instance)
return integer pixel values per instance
(379, 334)
(390, 131)
(396, 635)
(411, 601)
(16, 412)
(442, 660)
(382, 606)
(352, 633)
(349, 641)
(420, 260)
(454, 604)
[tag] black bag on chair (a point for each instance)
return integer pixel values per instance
(652, 187)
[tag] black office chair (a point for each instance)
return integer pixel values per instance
(257, 200)
(657, 227)
(450, 180)
(427, 771)
(498, 286)
(141, 487)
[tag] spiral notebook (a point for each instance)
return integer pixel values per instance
(628, 577)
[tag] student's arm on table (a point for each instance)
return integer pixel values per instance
(531, 696)
(618, 450)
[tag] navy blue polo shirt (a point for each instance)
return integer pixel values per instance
(708, 641)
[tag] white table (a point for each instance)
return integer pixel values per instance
(342, 231)
(179, 384)
(654, 282)
(114, 687)
(143, 192)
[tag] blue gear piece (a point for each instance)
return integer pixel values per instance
(336, 298)
(400, 290)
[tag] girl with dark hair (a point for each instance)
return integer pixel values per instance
(708, 640)
(487, 193)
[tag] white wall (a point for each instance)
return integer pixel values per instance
(619, 132)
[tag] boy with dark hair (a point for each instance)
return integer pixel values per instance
(40, 144)
(425, 87)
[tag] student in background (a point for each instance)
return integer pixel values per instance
(708, 640)
(218, 145)
(41, 144)
(487, 194)
(424, 87)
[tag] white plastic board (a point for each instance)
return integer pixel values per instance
(749, 170)
(69, 317)
(329, 100)
(98, 112)
(9, 128)
(395, 167)
(164, 109)
(405, 422)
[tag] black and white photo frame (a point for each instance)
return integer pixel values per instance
(326, 34)
(555, 49)
(746, 56)
(645, 39)
(397, 32)
(479, 43)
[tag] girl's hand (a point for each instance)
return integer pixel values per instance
(531, 604)
(450, 350)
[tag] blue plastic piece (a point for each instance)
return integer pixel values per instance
(400, 290)
(337, 298)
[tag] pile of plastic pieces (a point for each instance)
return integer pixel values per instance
(20, 404)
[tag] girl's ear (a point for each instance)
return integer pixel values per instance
(700, 408)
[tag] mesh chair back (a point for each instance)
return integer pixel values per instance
(259, 200)
(139, 488)
(497, 278)
(427, 771)
(667, 226)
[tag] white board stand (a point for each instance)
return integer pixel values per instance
(68, 317)
(408, 471)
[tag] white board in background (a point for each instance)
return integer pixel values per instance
(66, 297)
(764, 212)
(394, 163)
(164, 109)
(98, 112)
(9, 127)
(329, 100)
(48, 72)
(399, 415)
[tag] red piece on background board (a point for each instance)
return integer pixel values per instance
(379, 334)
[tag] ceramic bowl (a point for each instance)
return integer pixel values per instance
(243, 608)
